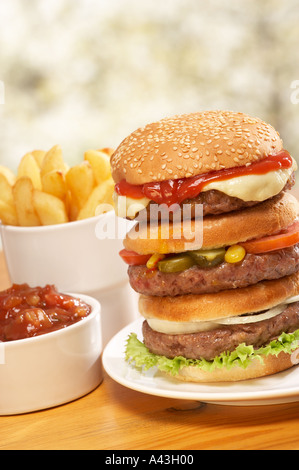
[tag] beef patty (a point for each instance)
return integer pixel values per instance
(196, 280)
(214, 202)
(209, 344)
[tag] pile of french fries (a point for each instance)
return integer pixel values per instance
(45, 191)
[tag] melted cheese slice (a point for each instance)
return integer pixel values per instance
(246, 187)
(128, 207)
(254, 187)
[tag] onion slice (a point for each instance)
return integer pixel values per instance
(175, 328)
(252, 318)
(293, 299)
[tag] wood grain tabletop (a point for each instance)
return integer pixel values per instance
(113, 417)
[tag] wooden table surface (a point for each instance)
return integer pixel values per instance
(116, 418)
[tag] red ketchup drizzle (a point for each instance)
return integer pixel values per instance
(175, 191)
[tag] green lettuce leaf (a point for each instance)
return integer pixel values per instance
(137, 354)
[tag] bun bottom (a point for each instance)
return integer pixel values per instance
(271, 365)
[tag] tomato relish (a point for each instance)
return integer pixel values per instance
(31, 311)
(175, 191)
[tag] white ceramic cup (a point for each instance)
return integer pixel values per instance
(53, 368)
(79, 256)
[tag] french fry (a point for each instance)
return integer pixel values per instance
(53, 160)
(6, 190)
(39, 156)
(46, 191)
(80, 182)
(100, 164)
(101, 194)
(50, 209)
(54, 183)
(71, 208)
(29, 168)
(23, 198)
(9, 174)
(8, 213)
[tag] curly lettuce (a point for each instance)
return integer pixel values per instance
(138, 355)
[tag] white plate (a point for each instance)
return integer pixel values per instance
(275, 389)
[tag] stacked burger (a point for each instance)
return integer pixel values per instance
(222, 306)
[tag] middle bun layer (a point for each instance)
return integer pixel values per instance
(263, 219)
(228, 303)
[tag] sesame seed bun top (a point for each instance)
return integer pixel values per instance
(192, 144)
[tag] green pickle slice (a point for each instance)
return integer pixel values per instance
(208, 258)
(183, 261)
(176, 263)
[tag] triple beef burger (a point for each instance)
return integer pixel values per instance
(225, 306)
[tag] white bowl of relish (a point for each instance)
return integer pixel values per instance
(80, 256)
(50, 348)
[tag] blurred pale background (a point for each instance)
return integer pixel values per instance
(85, 73)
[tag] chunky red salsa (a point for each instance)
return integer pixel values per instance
(175, 191)
(31, 311)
